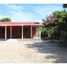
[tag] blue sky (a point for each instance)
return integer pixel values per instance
(28, 12)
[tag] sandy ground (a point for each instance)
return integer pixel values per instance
(12, 51)
(30, 51)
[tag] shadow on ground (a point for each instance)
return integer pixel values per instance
(53, 50)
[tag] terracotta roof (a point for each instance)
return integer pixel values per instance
(19, 24)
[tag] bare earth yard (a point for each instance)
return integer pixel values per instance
(32, 51)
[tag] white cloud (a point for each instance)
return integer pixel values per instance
(22, 16)
(42, 11)
(2, 16)
(17, 14)
(14, 7)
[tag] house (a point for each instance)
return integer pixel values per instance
(19, 30)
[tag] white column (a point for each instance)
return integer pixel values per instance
(31, 31)
(5, 32)
(39, 34)
(10, 31)
(22, 32)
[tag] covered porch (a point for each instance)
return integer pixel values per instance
(13, 31)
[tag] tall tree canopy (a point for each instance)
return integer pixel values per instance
(56, 23)
(5, 20)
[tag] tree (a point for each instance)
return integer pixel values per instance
(56, 23)
(5, 20)
(50, 20)
(50, 23)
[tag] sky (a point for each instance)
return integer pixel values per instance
(28, 12)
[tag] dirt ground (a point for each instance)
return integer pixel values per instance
(32, 51)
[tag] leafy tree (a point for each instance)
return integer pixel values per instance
(56, 23)
(5, 20)
(50, 24)
(50, 21)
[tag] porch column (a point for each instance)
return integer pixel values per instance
(22, 32)
(31, 31)
(5, 32)
(10, 31)
(39, 34)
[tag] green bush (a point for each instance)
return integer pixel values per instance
(64, 35)
(44, 34)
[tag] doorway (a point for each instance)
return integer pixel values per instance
(8, 32)
(16, 31)
(2, 32)
(26, 32)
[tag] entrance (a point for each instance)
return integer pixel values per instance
(2, 32)
(26, 32)
(14, 32)
(8, 32)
